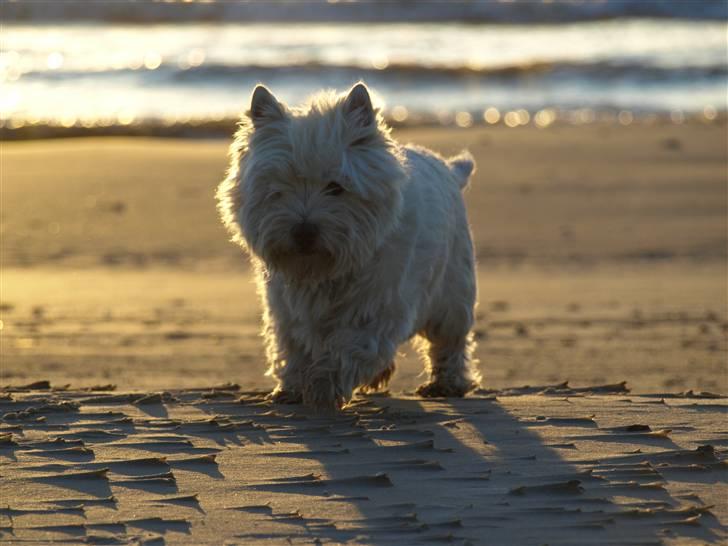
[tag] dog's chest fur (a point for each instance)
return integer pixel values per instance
(318, 309)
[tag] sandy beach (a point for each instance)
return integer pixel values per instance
(601, 250)
(134, 407)
(223, 466)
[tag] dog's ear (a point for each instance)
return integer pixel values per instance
(358, 105)
(264, 107)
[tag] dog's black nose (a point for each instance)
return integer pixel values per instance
(305, 235)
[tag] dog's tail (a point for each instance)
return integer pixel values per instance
(462, 166)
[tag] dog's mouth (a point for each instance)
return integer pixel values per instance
(308, 264)
(307, 251)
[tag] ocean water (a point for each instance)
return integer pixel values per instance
(62, 67)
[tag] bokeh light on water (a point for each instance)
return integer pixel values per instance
(93, 74)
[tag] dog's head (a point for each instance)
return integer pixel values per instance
(313, 191)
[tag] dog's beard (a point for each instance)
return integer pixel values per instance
(314, 266)
(339, 251)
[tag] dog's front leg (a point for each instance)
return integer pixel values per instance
(290, 379)
(322, 387)
(351, 359)
(289, 362)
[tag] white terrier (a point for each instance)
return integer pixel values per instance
(358, 244)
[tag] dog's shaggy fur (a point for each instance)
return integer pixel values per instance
(358, 244)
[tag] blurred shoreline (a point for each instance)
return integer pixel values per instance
(198, 75)
(18, 130)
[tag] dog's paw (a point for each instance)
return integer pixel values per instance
(283, 396)
(445, 389)
(380, 381)
(321, 392)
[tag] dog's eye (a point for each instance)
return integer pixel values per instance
(274, 195)
(333, 188)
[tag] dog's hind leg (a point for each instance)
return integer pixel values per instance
(452, 371)
(448, 342)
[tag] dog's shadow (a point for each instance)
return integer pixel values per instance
(469, 470)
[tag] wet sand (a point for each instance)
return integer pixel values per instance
(658, 327)
(602, 259)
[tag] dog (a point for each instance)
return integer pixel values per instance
(358, 244)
